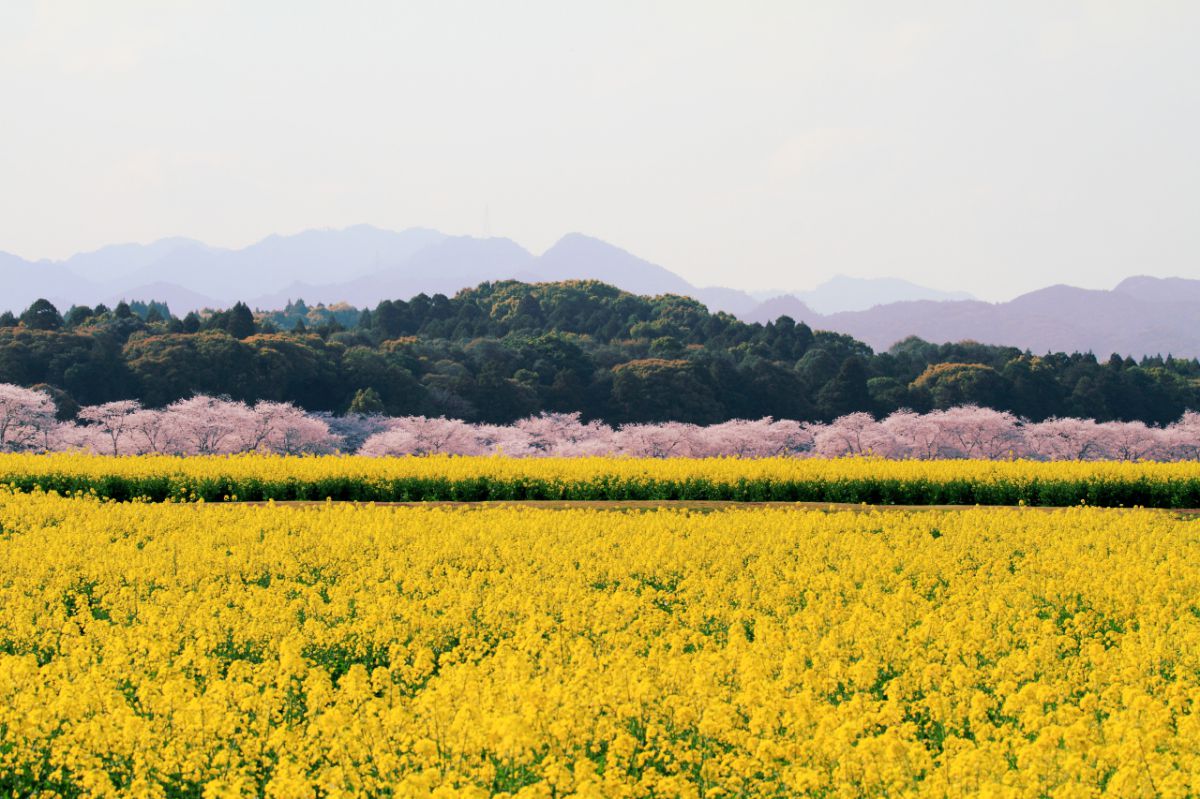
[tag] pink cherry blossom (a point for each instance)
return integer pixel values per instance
(110, 423)
(853, 434)
(419, 435)
(969, 431)
(214, 425)
(26, 419)
(1066, 440)
(664, 440)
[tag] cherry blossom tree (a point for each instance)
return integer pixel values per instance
(968, 431)
(153, 432)
(665, 440)
(284, 429)
(27, 419)
(70, 437)
(789, 437)
(1132, 441)
(214, 425)
(853, 434)
(205, 425)
(759, 438)
(420, 435)
(112, 424)
(353, 429)
(502, 439)
(1064, 439)
(915, 435)
(563, 435)
(1181, 440)
(280, 427)
(390, 444)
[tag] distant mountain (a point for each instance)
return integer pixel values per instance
(364, 264)
(317, 257)
(444, 266)
(580, 257)
(1141, 316)
(842, 293)
(1160, 289)
(119, 261)
(731, 301)
(786, 305)
(361, 265)
(25, 281)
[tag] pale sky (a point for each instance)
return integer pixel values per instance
(992, 147)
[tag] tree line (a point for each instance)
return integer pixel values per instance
(203, 425)
(504, 351)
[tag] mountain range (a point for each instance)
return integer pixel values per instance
(1140, 316)
(363, 265)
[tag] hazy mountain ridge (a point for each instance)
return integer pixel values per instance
(363, 265)
(842, 293)
(1146, 317)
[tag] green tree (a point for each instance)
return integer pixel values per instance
(366, 402)
(171, 367)
(239, 322)
(846, 392)
(666, 347)
(950, 384)
(77, 315)
(660, 390)
(887, 394)
(42, 315)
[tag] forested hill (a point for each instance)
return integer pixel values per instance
(504, 350)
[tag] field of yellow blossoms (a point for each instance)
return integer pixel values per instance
(199, 650)
(441, 477)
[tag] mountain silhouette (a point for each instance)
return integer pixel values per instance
(363, 265)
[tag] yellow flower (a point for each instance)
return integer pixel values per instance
(149, 650)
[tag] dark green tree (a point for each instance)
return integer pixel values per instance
(42, 315)
(847, 392)
(660, 390)
(239, 322)
(77, 315)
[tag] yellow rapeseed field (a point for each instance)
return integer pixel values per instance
(726, 470)
(219, 478)
(346, 650)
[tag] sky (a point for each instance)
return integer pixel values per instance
(988, 147)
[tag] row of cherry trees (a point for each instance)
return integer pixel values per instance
(210, 425)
